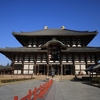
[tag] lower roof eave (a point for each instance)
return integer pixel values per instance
(67, 51)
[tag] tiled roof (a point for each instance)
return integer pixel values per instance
(83, 49)
(20, 49)
(93, 67)
(69, 49)
(56, 32)
(5, 67)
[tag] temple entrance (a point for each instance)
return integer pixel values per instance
(68, 70)
(41, 70)
(56, 68)
(44, 69)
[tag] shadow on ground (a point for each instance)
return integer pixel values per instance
(83, 82)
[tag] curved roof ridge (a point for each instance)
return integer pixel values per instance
(54, 40)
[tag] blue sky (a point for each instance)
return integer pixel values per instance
(32, 15)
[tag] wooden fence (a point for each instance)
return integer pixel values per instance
(37, 92)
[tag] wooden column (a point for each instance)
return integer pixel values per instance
(38, 70)
(71, 70)
(61, 71)
(34, 69)
(43, 69)
(64, 70)
(47, 70)
(22, 64)
(73, 59)
(12, 63)
(96, 72)
(4, 72)
(92, 73)
(58, 70)
(35, 66)
(86, 63)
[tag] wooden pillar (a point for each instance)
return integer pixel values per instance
(92, 73)
(34, 69)
(96, 72)
(47, 70)
(22, 64)
(61, 67)
(22, 56)
(50, 66)
(12, 68)
(86, 63)
(64, 69)
(73, 69)
(58, 69)
(4, 72)
(35, 66)
(70, 69)
(37, 69)
(43, 69)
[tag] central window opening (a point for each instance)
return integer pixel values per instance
(55, 55)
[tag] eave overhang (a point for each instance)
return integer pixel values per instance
(93, 67)
(9, 52)
(55, 32)
(83, 50)
(5, 68)
(24, 37)
(68, 49)
(21, 49)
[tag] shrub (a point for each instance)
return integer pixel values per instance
(14, 80)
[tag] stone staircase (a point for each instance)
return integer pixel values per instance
(57, 77)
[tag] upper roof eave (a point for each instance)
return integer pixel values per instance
(55, 32)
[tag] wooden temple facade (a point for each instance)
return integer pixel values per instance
(64, 50)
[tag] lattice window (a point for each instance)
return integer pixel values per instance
(25, 71)
(31, 66)
(88, 59)
(38, 58)
(64, 58)
(82, 59)
(31, 59)
(26, 58)
(76, 58)
(93, 59)
(26, 67)
(69, 58)
(44, 58)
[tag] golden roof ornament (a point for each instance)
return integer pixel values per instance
(63, 27)
(46, 27)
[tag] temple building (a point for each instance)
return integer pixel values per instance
(65, 50)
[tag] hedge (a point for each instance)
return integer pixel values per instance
(14, 80)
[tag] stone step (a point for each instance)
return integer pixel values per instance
(56, 77)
